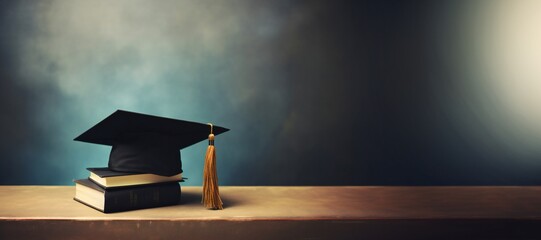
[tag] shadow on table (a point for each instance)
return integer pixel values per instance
(194, 198)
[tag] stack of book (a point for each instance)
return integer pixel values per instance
(110, 191)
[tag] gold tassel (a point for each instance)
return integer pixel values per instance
(211, 194)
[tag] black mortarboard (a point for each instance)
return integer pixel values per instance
(146, 144)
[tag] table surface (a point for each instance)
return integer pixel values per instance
(293, 203)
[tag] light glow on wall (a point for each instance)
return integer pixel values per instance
(499, 62)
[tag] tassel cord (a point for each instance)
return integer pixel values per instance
(211, 193)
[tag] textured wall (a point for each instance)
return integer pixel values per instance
(314, 92)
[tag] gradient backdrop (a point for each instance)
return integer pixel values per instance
(314, 92)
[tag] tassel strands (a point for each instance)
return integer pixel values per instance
(211, 194)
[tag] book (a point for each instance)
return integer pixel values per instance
(126, 198)
(107, 178)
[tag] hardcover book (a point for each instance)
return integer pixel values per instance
(126, 198)
(107, 178)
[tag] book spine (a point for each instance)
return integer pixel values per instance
(140, 197)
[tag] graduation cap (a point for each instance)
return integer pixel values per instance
(150, 144)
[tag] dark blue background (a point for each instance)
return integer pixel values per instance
(314, 92)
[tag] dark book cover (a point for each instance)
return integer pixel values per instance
(135, 197)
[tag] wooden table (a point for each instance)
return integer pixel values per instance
(37, 212)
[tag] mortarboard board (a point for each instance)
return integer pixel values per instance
(150, 144)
